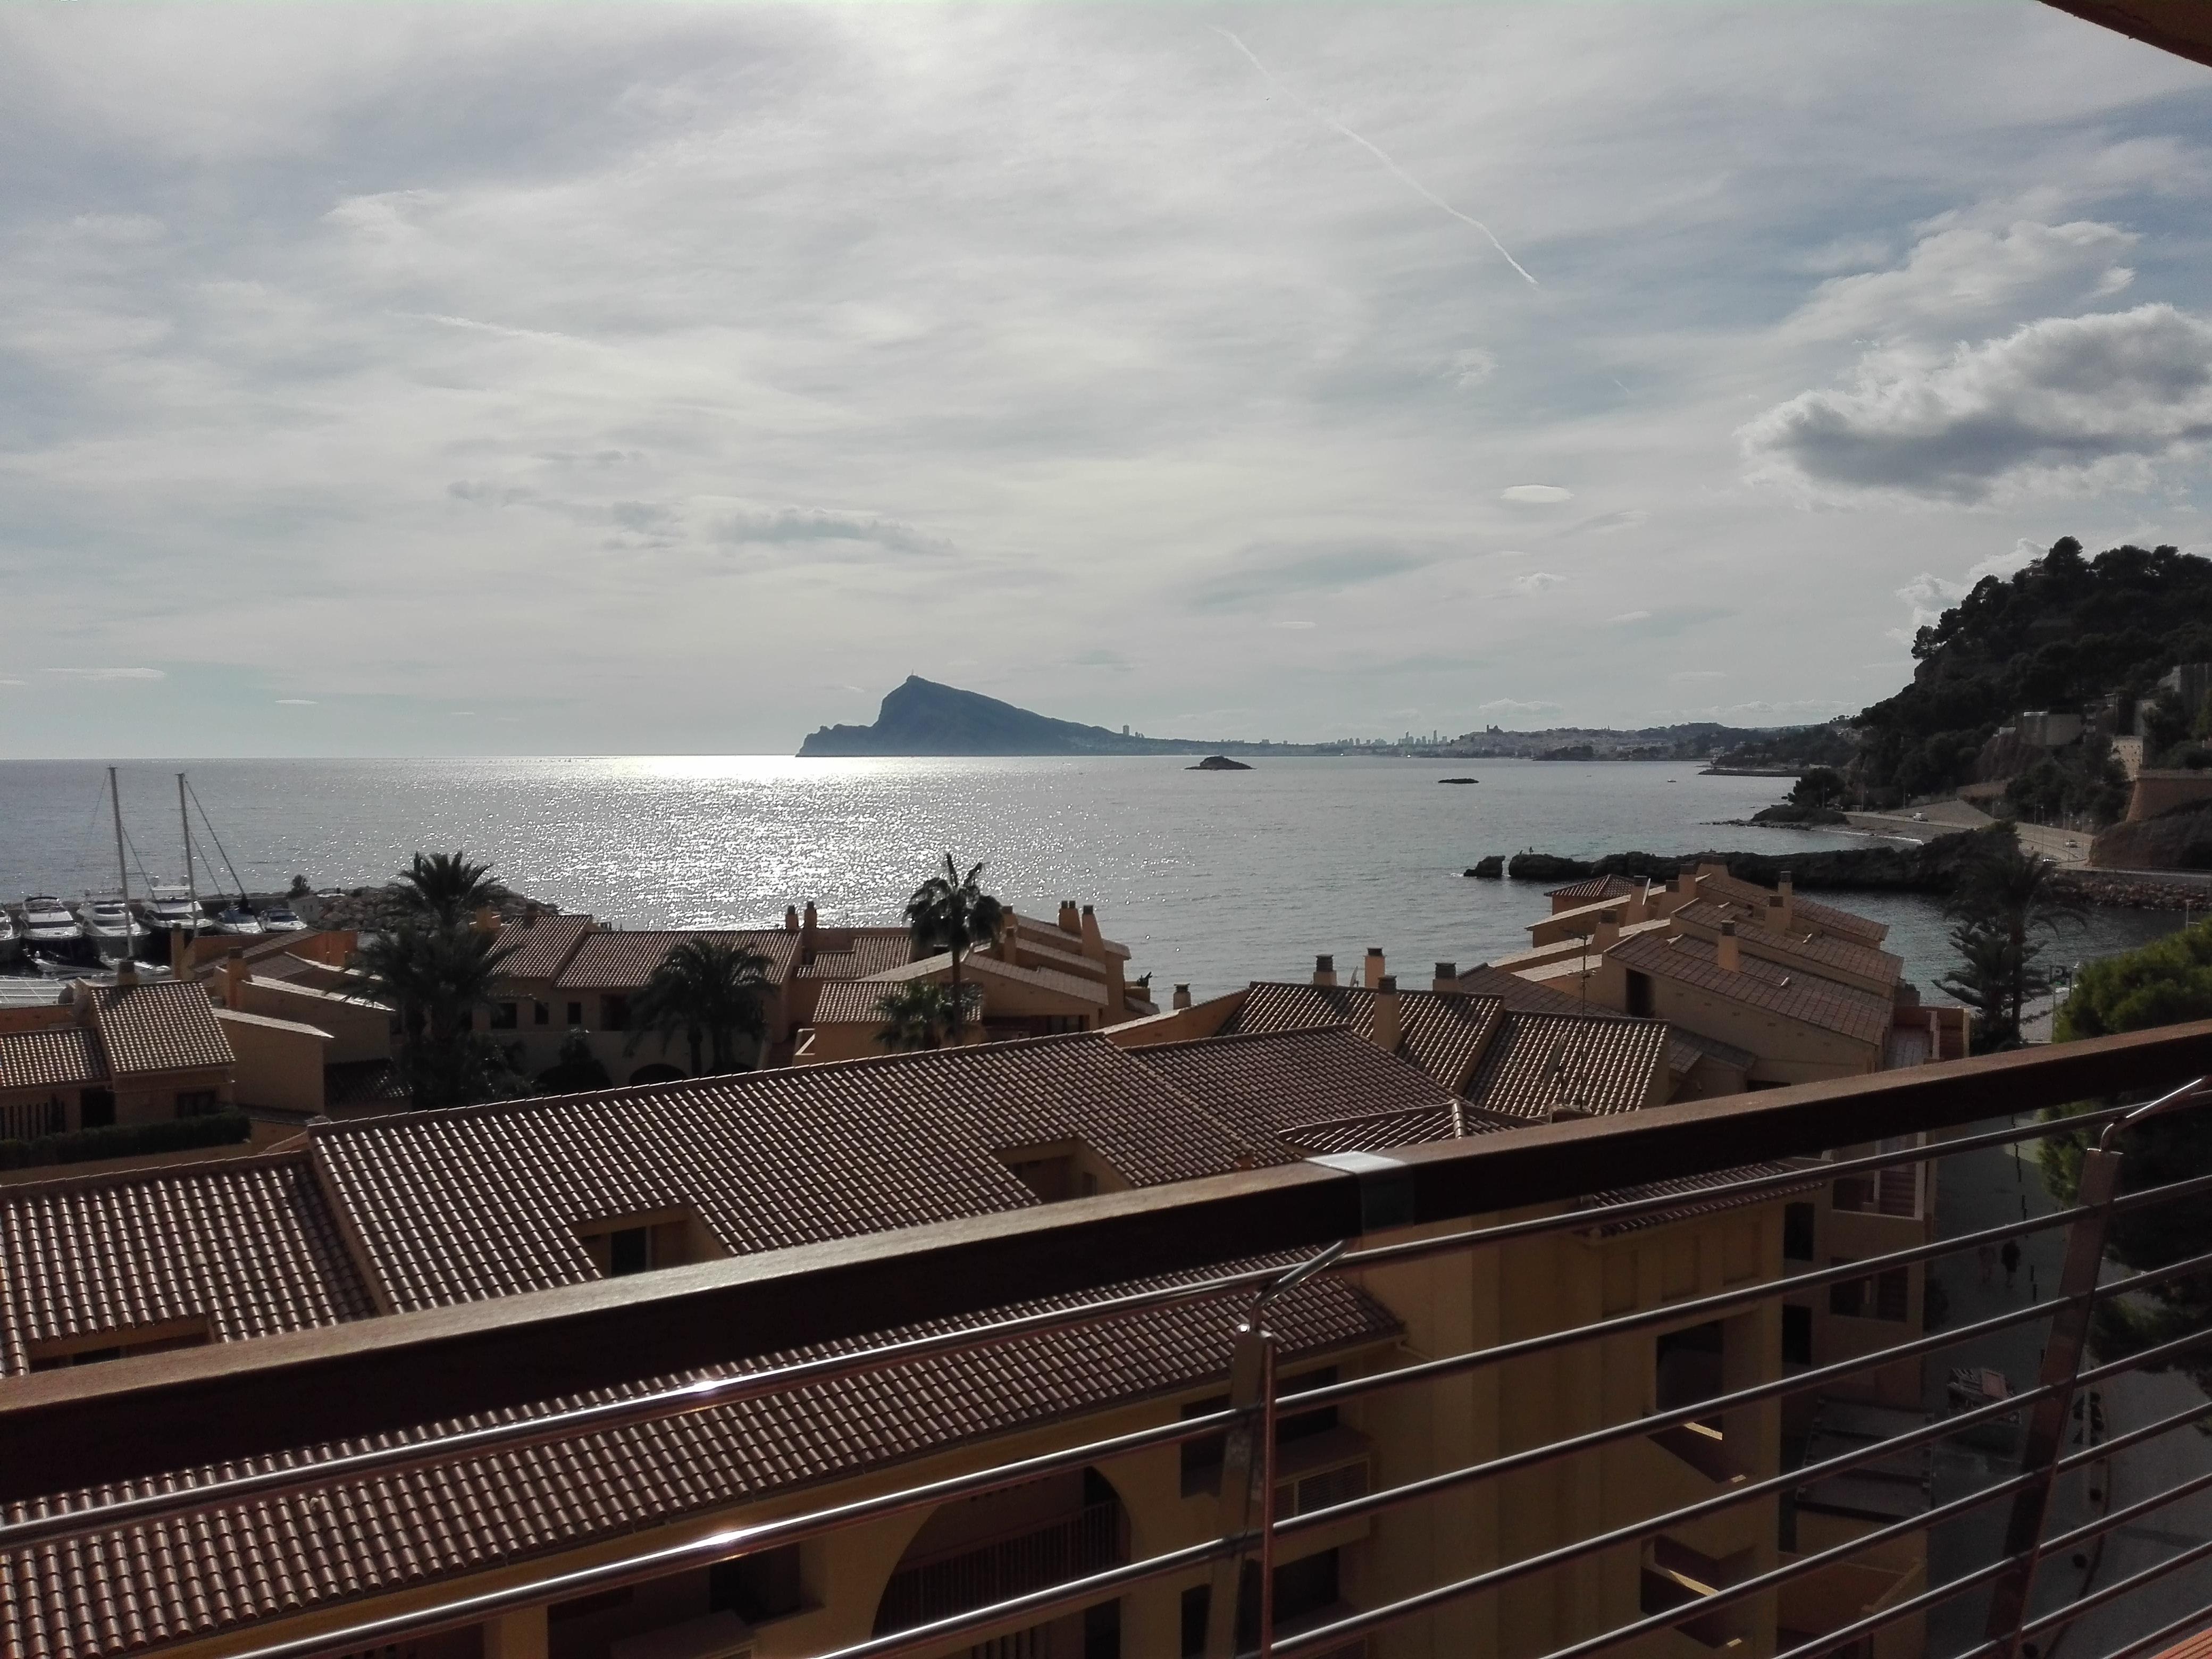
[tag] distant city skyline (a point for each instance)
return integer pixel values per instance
(587, 381)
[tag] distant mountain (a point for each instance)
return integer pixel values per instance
(924, 718)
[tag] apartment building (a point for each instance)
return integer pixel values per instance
(137, 1052)
(366, 1218)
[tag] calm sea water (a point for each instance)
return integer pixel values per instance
(1213, 878)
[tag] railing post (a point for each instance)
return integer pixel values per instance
(1247, 1459)
(2047, 1422)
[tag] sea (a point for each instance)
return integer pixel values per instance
(1212, 878)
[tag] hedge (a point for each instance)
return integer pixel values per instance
(130, 1141)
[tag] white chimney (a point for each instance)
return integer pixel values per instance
(1731, 954)
(1372, 972)
(1182, 996)
(1387, 1025)
(1447, 979)
(1324, 970)
(790, 918)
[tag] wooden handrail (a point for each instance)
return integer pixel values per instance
(67, 1430)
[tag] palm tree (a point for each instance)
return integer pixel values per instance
(949, 912)
(433, 978)
(708, 991)
(919, 1014)
(2008, 908)
(446, 885)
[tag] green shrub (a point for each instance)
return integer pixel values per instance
(127, 1141)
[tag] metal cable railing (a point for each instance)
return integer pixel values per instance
(1242, 1620)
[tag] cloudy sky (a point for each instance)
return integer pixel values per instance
(560, 378)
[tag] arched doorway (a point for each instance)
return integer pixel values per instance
(658, 1071)
(1004, 1544)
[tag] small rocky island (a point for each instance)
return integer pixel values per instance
(1459, 780)
(1218, 763)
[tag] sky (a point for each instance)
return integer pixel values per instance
(657, 379)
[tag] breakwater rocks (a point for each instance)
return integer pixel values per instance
(2135, 890)
(1489, 869)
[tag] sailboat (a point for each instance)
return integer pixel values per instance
(107, 920)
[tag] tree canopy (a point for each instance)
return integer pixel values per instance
(709, 991)
(2060, 633)
(951, 912)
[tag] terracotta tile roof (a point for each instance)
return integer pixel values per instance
(1382, 1131)
(624, 961)
(1814, 949)
(1693, 1048)
(1052, 933)
(1520, 996)
(982, 966)
(1541, 1062)
(850, 1002)
(1689, 1187)
(543, 945)
(57, 1057)
(1266, 1083)
(1793, 994)
(1442, 1034)
(159, 1025)
(248, 1243)
(767, 1159)
(210, 1571)
(1596, 889)
(858, 952)
(357, 1083)
(1825, 917)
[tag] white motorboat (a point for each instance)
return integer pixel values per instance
(237, 919)
(173, 907)
(282, 919)
(108, 923)
(10, 943)
(46, 920)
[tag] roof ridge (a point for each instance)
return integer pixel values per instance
(106, 1178)
(1254, 1037)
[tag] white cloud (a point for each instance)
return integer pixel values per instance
(1470, 366)
(111, 673)
(1534, 495)
(2064, 405)
(1965, 274)
(295, 703)
(14, 682)
(1630, 616)
(1538, 582)
(1515, 706)
(1292, 622)
(1699, 674)
(1928, 596)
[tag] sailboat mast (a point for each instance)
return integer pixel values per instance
(192, 885)
(122, 869)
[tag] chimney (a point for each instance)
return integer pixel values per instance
(487, 920)
(1324, 970)
(807, 925)
(1387, 1025)
(1371, 973)
(181, 953)
(1731, 956)
(234, 976)
(126, 970)
(1181, 999)
(790, 918)
(1686, 881)
(1070, 921)
(1609, 931)
(1003, 947)
(1447, 979)
(1778, 912)
(1789, 891)
(1094, 942)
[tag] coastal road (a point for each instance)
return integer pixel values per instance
(1942, 817)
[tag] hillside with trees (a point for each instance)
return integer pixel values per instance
(2058, 635)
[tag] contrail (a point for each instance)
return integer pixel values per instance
(1377, 152)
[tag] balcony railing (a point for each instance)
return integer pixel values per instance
(73, 1429)
(1088, 1541)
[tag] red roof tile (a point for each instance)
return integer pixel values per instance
(1382, 1132)
(57, 1056)
(1815, 950)
(624, 961)
(1596, 889)
(1520, 996)
(248, 1243)
(857, 952)
(1825, 917)
(543, 945)
(1265, 1084)
(851, 1002)
(1543, 1063)
(1442, 1034)
(161, 1026)
(1794, 995)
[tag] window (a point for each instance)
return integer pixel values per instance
(1797, 1231)
(622, 1245)
(97, 1108)
(503, 1017)
(757, 1587)
(614, 1013)
(630, 1250)
(575, 1014)
(541, 1013)
(196, 1102)
(120, 1342)
(1639, 994)
(1796, 1335)
(1893, 1294)
(1689, 1365)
